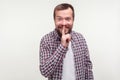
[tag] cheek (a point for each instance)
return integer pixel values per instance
(57, 23)
(70, 23)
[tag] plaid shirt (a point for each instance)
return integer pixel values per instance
(52, 54)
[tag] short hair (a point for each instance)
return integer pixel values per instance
(63, 6)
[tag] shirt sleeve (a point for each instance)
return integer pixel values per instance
(50, 60)
(88, 65)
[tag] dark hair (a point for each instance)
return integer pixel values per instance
(63, 6)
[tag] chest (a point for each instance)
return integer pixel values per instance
(76, 46)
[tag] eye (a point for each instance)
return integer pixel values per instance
(68, 19)
(59, 19)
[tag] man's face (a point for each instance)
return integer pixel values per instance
(64, 19)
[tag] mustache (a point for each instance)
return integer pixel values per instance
(61, 26)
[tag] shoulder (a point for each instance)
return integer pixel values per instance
(77, 35)
(79, 39)
(48, 37)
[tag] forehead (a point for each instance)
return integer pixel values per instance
(65, 12)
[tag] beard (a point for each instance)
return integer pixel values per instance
(59, 30)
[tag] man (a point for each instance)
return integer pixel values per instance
(63, 52)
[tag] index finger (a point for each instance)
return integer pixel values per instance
(63, 31)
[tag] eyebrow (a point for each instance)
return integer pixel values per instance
(60, 17)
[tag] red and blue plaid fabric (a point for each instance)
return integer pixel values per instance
(52, 54)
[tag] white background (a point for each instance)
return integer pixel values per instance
(24, 22)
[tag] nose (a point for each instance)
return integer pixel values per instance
(64, 22)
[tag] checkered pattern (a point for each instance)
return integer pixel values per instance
(52, 54)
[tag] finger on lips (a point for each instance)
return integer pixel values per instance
(63, 31)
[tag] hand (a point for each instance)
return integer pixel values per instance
(65, 39)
